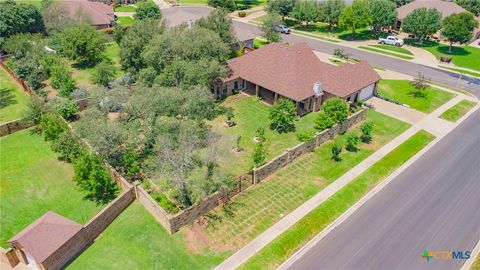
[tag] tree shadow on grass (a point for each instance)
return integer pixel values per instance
(7, 97)
(455, 50)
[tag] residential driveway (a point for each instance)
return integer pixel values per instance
(405, 114)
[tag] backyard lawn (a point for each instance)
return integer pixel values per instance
(125, 20)
(467, 56)
(277, 251)
(82, 74)
(33, 182)
(135, 240)
(13, 100)
(125, 8)
(250, 114)
(458, 110)
(253, 211)
(402, 91)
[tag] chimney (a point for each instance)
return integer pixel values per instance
(318, 89)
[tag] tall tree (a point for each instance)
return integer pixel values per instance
(458, 28)
(356, 16)
(268, 27)
(422, 22)
(331, 11)
(134, 42)
(281, 7)
(148, 10)
(18, 18)
(223, 4)
(305, 11)
(384, 13)
(82, 44)
(471, 5)
(282, 115)
(220, 22)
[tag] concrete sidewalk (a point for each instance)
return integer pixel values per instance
(438, 128)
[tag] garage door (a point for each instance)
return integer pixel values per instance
(366, 92)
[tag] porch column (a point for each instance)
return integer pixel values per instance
(298, 106)
(276, 96)
(256, 90)
(315, 104)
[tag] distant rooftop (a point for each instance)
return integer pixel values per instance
(445, 7)
(98, 13)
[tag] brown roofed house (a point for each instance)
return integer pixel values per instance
(97, 14)
(295, 72)
(36, 245)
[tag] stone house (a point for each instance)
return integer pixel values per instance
(295, 72)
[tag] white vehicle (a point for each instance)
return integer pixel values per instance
(391, 40)
(282, 29)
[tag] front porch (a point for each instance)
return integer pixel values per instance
(268, 96)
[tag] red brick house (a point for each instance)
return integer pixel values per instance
(295, 72)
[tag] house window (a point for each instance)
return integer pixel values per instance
(224, 90)
(242, 84)
(217, 90)
(235, 85)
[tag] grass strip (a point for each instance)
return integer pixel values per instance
(457, 111)
(285, 245)
(476, 74)
(386, 53)
(392, 48)
(315, 36)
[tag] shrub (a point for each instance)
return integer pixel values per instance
(340, 53)
(283, 115)
(165, 203)
(367, 129)
(61, 79)
(34, 111)
(336, 150)
(323, 121)
(242, 14)
(305, 136)
(259, 154)
(66, 108)
(29, 70)
(352, 142)
(130, 164)
(260, 133)
(103, 73)
(52, 126)
(337, 109)
(67, 146)
(118, 32)
(92, 178)
(48, 61)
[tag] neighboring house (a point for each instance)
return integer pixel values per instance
(295, 72)
(97, 14)
(37, 244)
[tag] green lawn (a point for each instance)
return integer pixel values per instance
(401, 91)
(457, 111)
(125, 21)
(386, 53)
(258, 43)
(82, 74)
(476, 264)
(322, 28)
(467, 56)
(252, 212)
(392, 48)
(135, 240)
(33, 182)
(124, 8)
(272, 255)
(467, 72)
(13, 100)
(249, 115)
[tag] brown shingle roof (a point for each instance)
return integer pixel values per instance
(291, 71)
(445, 7)
(45, 235)
(97, 12)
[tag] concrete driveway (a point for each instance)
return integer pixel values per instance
(405, 114)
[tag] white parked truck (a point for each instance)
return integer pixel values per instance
(391, 40)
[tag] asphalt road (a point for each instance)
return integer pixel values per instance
(244, 31)
(433, 205)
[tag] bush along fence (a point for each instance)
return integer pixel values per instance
(19, 124)
(174, 222)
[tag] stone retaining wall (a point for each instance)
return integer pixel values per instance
(13, 126)
(306, 147)
(152, 206)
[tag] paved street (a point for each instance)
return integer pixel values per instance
(433, 205)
